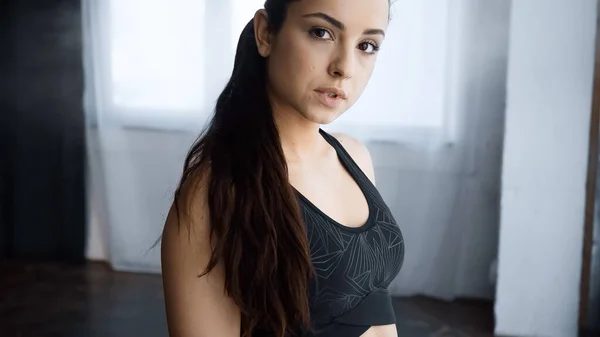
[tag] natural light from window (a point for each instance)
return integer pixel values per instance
(158, 53)
(408, 86)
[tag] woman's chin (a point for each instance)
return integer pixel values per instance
(324, 117)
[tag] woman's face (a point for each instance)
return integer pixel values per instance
(322, 58)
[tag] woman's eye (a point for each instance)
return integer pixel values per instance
(368, 47)
(320, 33)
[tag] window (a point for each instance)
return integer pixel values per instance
(166, 65)
(156, 56)
(408, 85)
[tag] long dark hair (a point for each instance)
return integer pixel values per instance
(257, 232)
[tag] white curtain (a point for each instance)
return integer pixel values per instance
(432, 117)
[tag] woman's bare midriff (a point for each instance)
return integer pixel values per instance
(381, 331)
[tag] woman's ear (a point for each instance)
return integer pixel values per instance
(262, 33)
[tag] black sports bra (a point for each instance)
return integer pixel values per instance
(353, 266)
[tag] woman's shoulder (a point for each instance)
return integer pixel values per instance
(358, 151)
(187, 225)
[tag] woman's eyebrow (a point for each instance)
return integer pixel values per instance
(340, 25)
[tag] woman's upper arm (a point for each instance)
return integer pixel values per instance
(196, 306)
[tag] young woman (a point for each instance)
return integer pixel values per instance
(277, 228)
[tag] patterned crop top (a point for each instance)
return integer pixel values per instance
(353, 266)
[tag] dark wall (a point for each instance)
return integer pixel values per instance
(42, 147)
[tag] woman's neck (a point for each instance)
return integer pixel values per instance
(300, 138)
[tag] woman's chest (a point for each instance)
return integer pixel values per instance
(369, 259)
(349, 266)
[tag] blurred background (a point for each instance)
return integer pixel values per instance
(482, 119)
